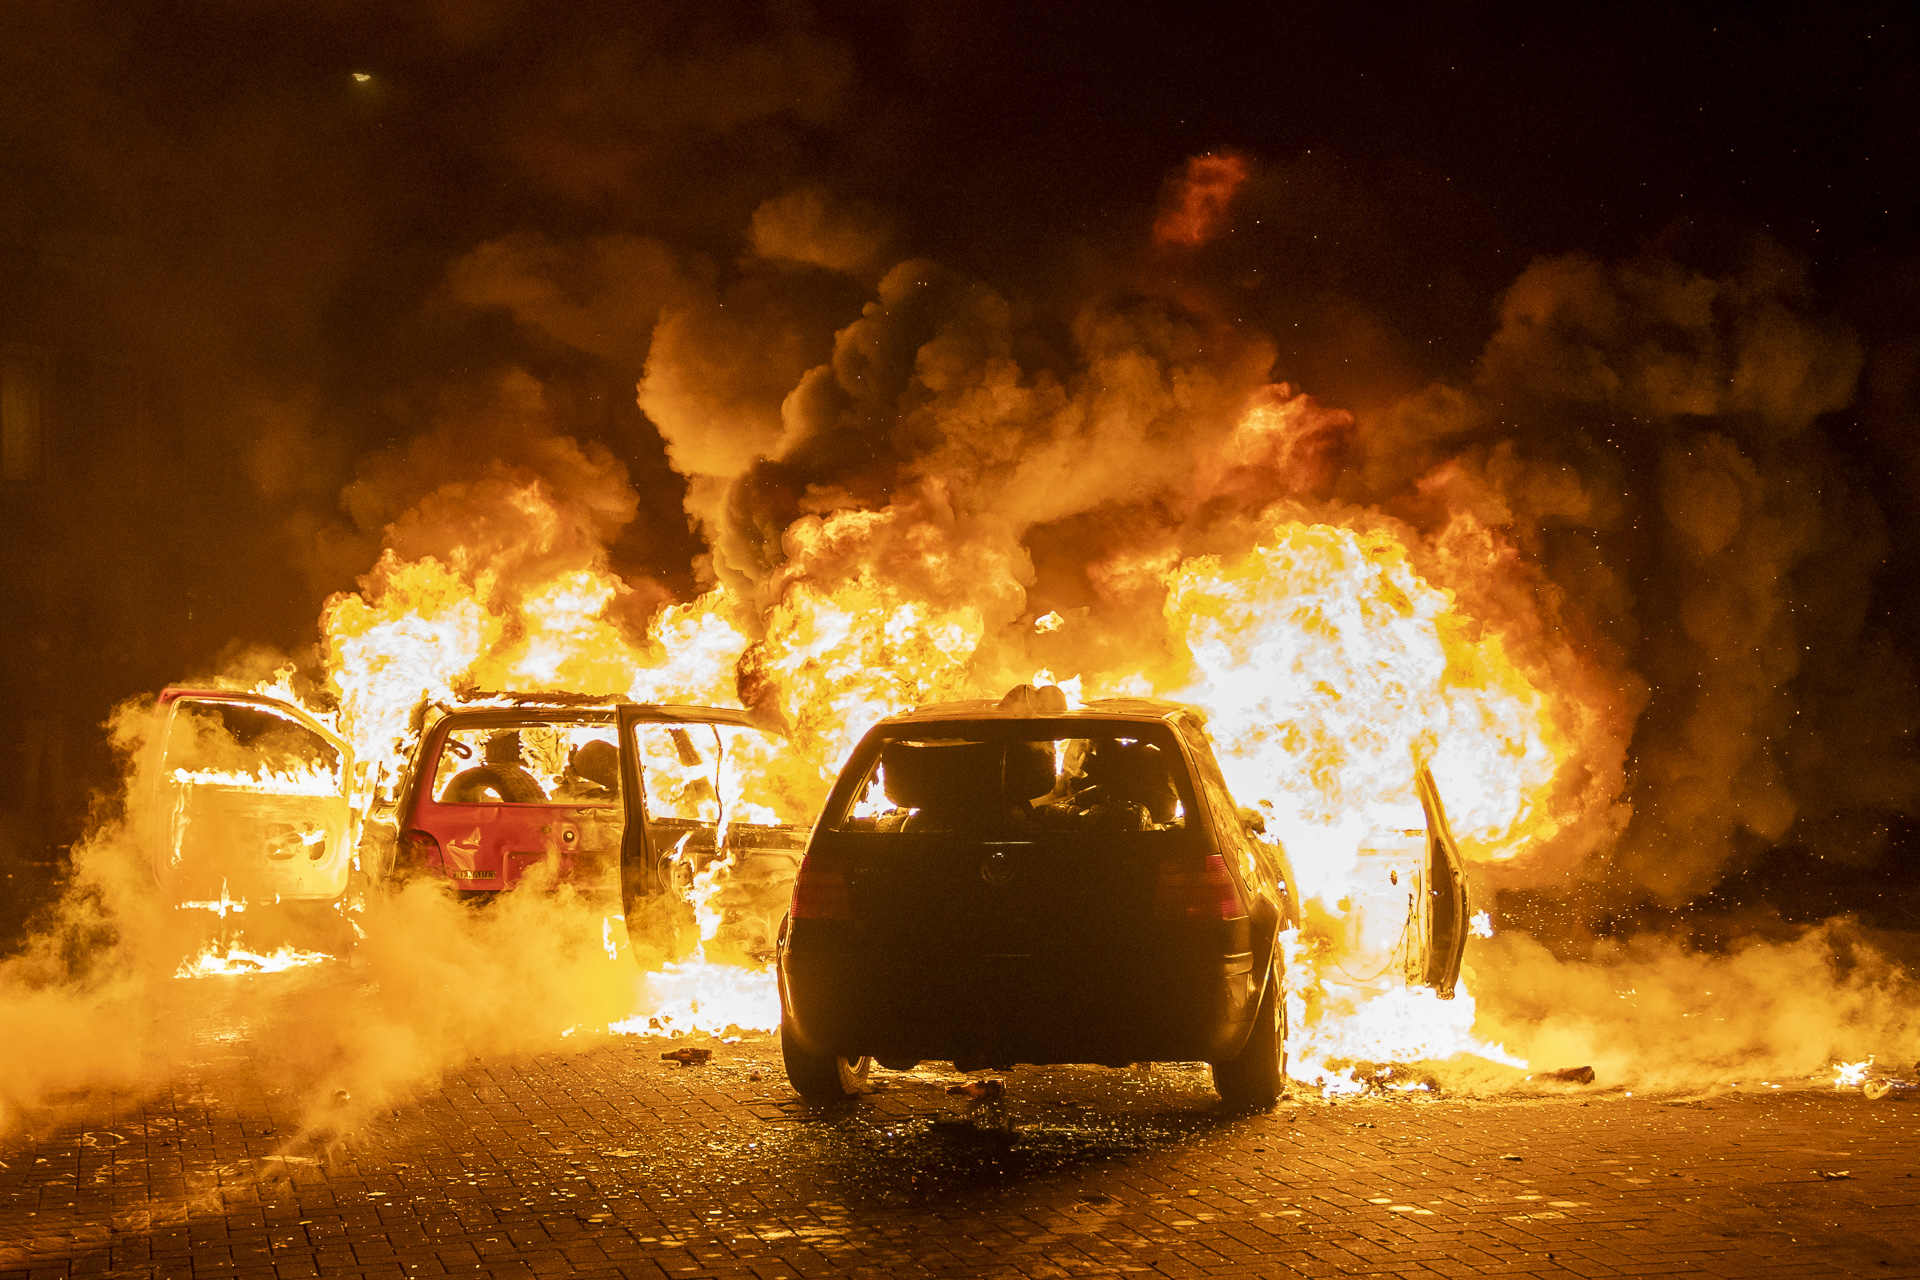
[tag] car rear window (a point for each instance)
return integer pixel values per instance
(529, 762)
(248, 746)
(1018, 780)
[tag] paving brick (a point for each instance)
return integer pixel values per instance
(605, 1163)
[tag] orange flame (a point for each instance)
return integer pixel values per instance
(1326, 660)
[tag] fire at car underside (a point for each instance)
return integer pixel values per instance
(1344, 693)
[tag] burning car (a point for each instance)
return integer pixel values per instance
(625, 798)
(1017, 882)
(503, 793)
(999, 883)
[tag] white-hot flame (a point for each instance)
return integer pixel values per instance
(236, 961)
(696, 995)
(306, 780)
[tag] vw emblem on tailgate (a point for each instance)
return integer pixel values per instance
(996, 870)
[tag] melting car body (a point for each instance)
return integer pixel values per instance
(994, 884)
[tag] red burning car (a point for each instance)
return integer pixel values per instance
(992, 884)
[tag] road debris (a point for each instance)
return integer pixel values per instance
(688, 1057)
(1566, 1075)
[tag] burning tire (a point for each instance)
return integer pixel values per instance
(1255, 1076)
(821, 1077)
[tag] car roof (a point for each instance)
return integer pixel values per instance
(1108, 709)
(582, 708)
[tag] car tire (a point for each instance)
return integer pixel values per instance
(821, 1077)
(1254, 1077)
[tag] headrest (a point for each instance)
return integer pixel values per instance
(920, 775)
(597, 761)
(1135, 771)
(1030, 772)
(503, 747)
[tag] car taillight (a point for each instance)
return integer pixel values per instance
(820, 894)
(1187, 890)
(417, 849)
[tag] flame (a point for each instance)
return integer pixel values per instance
(220, 961)
(1199, 200)
(1072, 688)
(223, 907)
(1323, 657)
(697, 995)
(308, 780)
(1327, 657)
(1851, 1075)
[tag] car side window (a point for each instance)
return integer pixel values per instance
(680, 765)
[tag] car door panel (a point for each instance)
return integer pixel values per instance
(499, 845)
(249, 820)
(659, 847)
(1442, 906)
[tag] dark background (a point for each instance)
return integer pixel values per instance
(224, 262)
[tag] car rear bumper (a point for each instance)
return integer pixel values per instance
(998, 1010)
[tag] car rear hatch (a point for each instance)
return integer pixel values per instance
(1031, 884)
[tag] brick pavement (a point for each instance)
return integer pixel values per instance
(604, 1161)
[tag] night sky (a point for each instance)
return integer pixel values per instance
(335, 227)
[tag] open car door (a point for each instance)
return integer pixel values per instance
(251, 797)
(703, 825)
(1440, 908)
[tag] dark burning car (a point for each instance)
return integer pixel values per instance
(1015, 882)
(505, 792)
(992, 884)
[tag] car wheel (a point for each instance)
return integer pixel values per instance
(1255, 1076)
(821, 1077)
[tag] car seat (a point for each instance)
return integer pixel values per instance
(1130, 773)
(949, 785)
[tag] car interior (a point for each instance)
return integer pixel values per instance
(925, 785)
